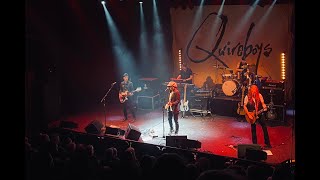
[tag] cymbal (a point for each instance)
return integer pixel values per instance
(221, 67)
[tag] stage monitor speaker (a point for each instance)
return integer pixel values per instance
(193, 144)
(112, 130)
(242, 148)
(176, 141)
(68, 124)
(94, 127)
(132, 133)
(256, 155)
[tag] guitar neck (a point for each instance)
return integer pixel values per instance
(260, 111)
(242, 95)
(185, 93)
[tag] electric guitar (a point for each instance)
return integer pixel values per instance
(184, 103)
(255, 116)
(271, 114)
(167, 106)
(240, 109)
(123, 96)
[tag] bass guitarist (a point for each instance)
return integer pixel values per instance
(254, 108)
(125, 96)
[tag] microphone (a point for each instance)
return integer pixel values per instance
(113, 83)
(166, 89)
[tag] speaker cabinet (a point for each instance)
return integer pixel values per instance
(202, 103)
(193, 144)
(148, 102)
(94, 127)
(176, 141)
(68, 124)
(132, 133)
(224, 106)
(277, 95)
(242, 149)
(256, 155)
(112, 130)
(182, 142)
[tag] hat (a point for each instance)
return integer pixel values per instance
(125, 74)
(173, 84)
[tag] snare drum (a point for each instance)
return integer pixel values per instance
(230, 87)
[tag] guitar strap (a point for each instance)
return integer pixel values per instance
(255, 105)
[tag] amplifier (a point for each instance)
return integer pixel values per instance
(272, 84)
(203, 93)
(272, 88)
(277, 95)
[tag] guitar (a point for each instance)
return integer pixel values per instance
(240, 109)
(167, 106)
(255, 116)
(184, 103)
(123, 96)
(271, 114)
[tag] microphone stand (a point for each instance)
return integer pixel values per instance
(163, 122)
(163, 107)
(104, 104)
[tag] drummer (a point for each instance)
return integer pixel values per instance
(242, 68)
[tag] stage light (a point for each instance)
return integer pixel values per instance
(140, 2)
(180, 59)
(283, 66)
(103, 2)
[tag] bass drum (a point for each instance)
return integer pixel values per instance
(230, 87)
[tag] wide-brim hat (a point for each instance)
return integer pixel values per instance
(173, 84)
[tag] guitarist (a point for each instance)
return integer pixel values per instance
(254, 102)
(126, 89)
(173, 106)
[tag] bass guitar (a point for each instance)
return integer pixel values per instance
(123, 96)
(240, 109)
(184, 103)
(255, 116)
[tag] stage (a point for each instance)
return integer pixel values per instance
(218, 134)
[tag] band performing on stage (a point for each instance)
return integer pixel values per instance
(181, 95)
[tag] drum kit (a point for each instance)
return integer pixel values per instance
(232, 82)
